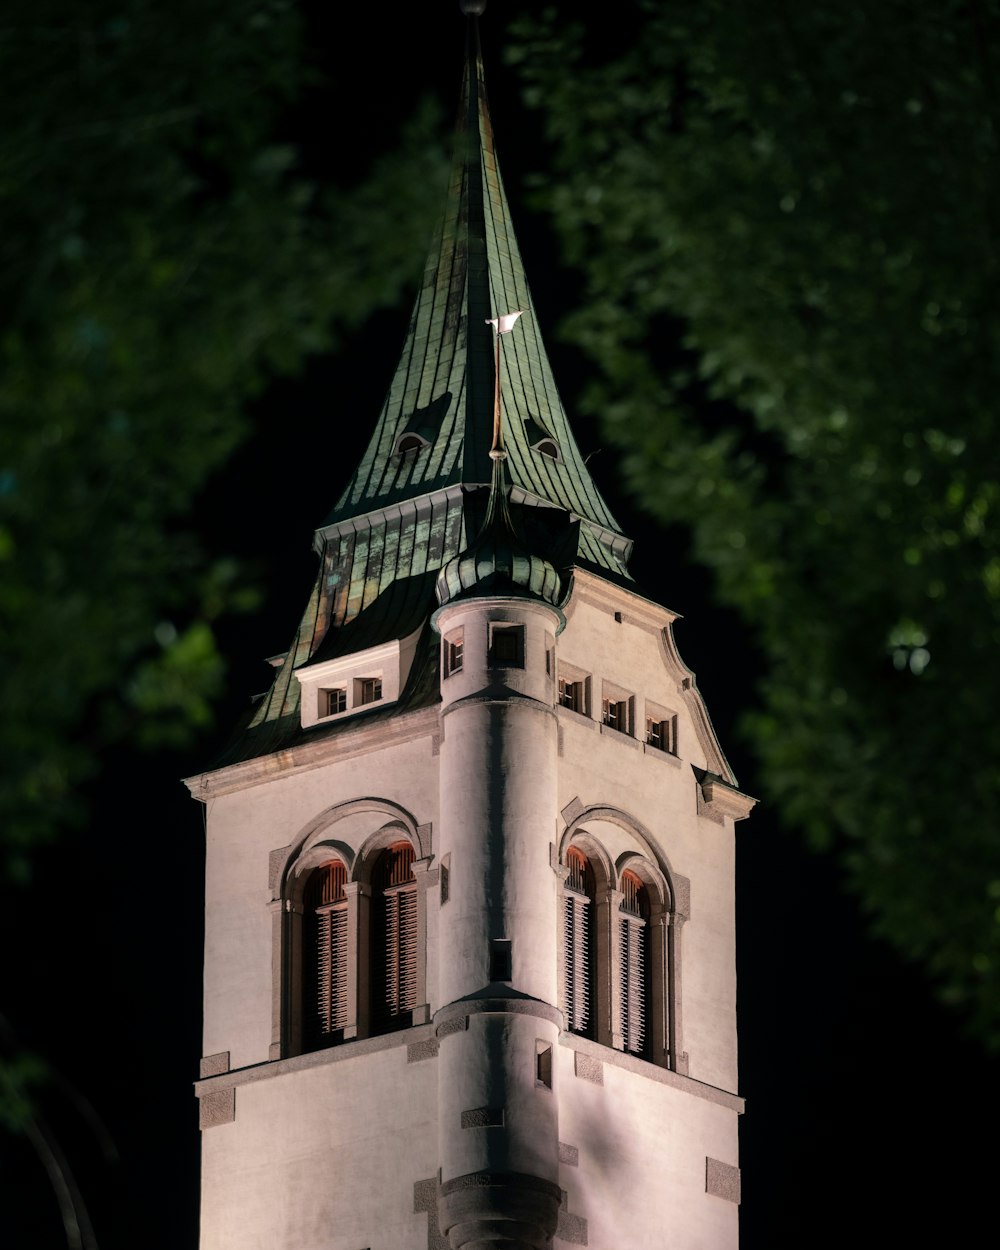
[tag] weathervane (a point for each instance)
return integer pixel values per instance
(502, 325)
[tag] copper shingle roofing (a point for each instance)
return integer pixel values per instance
(443, 387)
(404, 515)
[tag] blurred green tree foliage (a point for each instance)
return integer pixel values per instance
(162, 255)
(805, 197)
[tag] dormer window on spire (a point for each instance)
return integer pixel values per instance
(340, 688)
(410, 445)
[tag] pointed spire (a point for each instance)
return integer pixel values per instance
(459, 418)
(449, 377)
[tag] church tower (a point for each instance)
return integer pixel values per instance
(469, 955)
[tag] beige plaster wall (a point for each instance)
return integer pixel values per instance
(642, 1147)
(324, 1159)
(244, 827)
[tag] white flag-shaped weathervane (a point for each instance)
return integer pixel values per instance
(506, 323)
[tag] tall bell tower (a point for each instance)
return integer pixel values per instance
(469, 956)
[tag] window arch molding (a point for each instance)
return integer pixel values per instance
(382, 839)
(656, 883)
(668, 896)
(284, 860)
(577, 816)
(353, 833)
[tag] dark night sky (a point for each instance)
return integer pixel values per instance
(864, 1102)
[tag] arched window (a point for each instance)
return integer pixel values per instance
(579, 961)
(325, 983)
(634, 964)
(394, 939)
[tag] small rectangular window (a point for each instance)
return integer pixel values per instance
(543, 1064)
(617, 708)
(662, 733)
(454, 652)
(501, 962)
(332, 701)
(507, 645)
(367, 690)
(614, 713)
(572, 694)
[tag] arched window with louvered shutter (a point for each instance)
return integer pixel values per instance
(394, 939)
(326, 940)
(634, 965)
(579, 998)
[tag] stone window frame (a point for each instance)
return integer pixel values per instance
(505, 636)
(570, 675)
(668, 896)
(622, 720)
(453, 652)
(660, 716)
(291, 867)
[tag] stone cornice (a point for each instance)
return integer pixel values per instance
(635, 609)
(313, 1059)
(423, 1033)
(718, 800)
(662, 1076)
(325, 748)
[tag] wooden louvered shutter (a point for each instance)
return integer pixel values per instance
(578, 945)
(326, 918)
(576, 967)
(633, 965)
(395, 939)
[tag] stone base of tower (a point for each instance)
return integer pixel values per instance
(499, 1209)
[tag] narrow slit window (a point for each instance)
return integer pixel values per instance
(394, 939)
(501, 960)
(579, 962)
(634, 965)
(325, 906)
(454, 652)
(543, 1064)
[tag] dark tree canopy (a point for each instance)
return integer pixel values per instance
(163, 254)
(786, 217)
(784, 222)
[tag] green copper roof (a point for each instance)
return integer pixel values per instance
(497, 561)
(408, 515)
(442, 391)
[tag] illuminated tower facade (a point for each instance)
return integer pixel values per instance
(470, 960)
